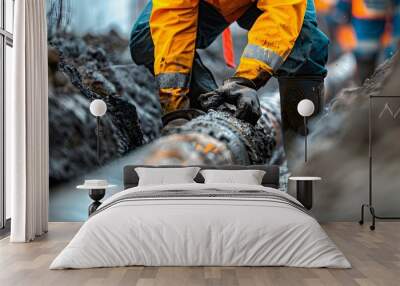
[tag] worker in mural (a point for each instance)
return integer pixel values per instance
(336, 25)
(283, 41)
(376, 25)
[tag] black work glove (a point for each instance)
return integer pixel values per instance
(238, 91)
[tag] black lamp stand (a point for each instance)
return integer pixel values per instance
(305, 139)
(96, 195)
(370, 202)
(99, 133)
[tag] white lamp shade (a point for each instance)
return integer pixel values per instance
(305, 107)
(98, 107)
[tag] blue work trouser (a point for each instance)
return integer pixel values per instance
(307, 58)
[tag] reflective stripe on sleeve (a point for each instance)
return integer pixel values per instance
(264, 55)
(173, 80)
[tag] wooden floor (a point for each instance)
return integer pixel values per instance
(375, 257)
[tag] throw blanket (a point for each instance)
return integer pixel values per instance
(206, 194)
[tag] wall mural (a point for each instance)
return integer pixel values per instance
(90, 58)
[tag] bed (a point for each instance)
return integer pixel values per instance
(198, 224)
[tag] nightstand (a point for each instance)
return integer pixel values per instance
(97, 190)
(304, 186)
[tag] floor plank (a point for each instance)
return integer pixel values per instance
(375, 257)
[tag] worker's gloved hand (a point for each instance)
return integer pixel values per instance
(238, 91)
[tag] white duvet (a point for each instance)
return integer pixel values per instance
(201, 231)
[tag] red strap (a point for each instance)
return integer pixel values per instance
(227, 46)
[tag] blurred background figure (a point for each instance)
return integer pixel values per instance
(376, 26)
(335, 22)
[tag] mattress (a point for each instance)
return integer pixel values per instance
(201, 225)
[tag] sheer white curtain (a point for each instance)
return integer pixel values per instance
(27, 124)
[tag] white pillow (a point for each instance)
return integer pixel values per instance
(247, 177)
(166, 176)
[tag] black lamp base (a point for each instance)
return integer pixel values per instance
(96, 195)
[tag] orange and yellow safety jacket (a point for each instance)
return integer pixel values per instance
(173, 26)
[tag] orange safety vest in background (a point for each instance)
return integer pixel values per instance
(360, 9)
(173, 26)
(324, 6)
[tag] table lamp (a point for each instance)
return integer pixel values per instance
(305, 108)
(98, 108)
